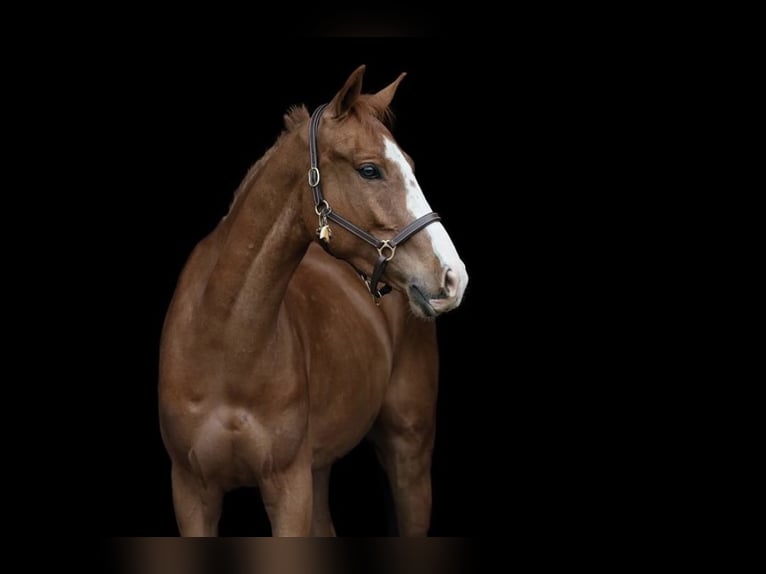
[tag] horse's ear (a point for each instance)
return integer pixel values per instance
(348, 94)
(382, 99)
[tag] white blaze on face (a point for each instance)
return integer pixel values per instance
(417, 205)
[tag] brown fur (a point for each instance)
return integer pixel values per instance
(274, 361)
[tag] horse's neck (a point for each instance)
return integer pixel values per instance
(261, 242)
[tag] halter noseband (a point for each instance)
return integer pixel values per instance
(386, 247)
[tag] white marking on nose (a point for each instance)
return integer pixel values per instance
(417, 205)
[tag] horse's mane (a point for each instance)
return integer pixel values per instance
(363, 109)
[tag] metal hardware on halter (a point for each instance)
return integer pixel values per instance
(387, 245)
(323, 231)
(325, 213)
(314, 176)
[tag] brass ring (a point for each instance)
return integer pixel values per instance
(385, 244)
(326, 210)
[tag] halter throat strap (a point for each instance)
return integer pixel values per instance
(386, 248)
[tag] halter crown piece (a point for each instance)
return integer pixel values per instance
(386, 247)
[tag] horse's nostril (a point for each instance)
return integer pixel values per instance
(450, 283)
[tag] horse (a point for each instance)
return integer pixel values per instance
(279, 352)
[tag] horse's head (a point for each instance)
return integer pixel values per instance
(368, 180)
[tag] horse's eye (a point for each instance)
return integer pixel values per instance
(369, 171)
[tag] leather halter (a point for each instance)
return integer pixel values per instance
(386, 247)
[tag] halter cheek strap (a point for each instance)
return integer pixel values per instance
(386, 247)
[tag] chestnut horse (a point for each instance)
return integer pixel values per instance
(274, 359)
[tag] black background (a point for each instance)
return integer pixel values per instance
(179, 140)
(517, 149)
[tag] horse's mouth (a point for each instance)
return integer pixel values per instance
(421, 302)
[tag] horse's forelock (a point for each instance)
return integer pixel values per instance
(364, 108)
